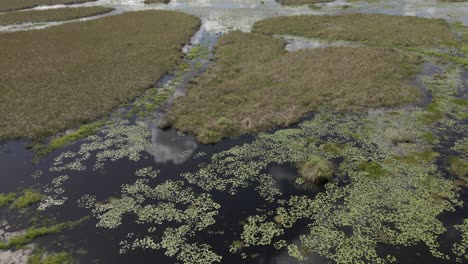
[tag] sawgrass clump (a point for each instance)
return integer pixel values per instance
(51, 15)
(63, 76)
(255, 84)
(316, 170)
(372, 28)
(10, 5)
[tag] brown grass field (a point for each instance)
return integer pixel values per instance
(302, 2)
(59, 77)
(10, 5)
(373, 28)
(51, 15)
(256, 85)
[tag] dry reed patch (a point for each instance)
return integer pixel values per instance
(10, 5)
(51, 15)
(56, 78)
(255, 85)
(157, 1)
(374, 28)
(302, 2)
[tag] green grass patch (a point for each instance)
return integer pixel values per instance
(67, 75)
(27, 198)
(35, 232)
(51, 15)
(255, 84)
(373, 28)
(6, 198)
(10, 5)
(41, 257)
(56, 143)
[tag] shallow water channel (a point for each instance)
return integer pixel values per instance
(130, 155)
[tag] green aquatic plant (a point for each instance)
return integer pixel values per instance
(116, 141)
(6, 198)
(41, 257)
(34, 232)
(198, 214)
(458, 166)
(59, 142)
(461, 249)
(28, 197)
(258, 231)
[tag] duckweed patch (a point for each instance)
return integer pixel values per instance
(100, 64)
(197, 214)
(461, 249)
(255, 85)
(51, 15)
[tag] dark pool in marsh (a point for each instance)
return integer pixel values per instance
(131, 159)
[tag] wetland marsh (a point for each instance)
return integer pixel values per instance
(328, 144)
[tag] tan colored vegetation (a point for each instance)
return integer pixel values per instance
(373, 28)
(56, 78)
(157, 1)
(51, 15)
(302, 2)
(9, 5)
(255, 84)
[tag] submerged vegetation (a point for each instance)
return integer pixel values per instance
(9, 5)
(255, 84)
(103, 63)
(51, 15)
